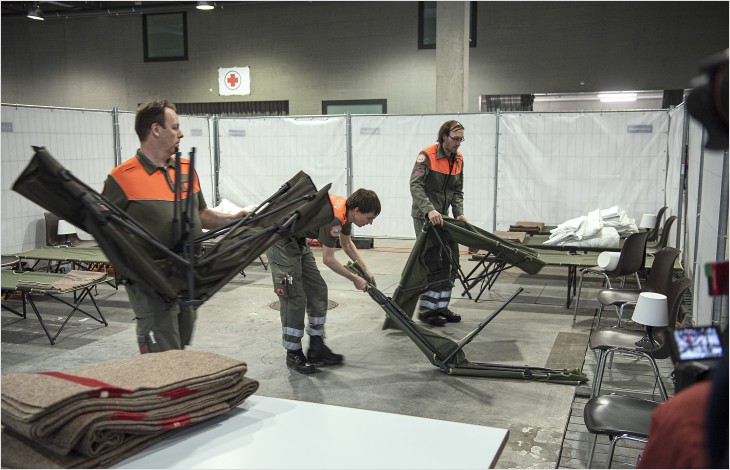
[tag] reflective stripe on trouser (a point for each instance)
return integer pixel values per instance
(438, 275)
(434, 300)
(300, 289)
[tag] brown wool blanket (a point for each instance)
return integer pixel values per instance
(90, 414)
(92, 433)
(18, 452)
(170, 375)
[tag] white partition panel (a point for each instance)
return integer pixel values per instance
(675, 152)
(81, 140)
(554, 167)
(385, 148)
(196, 133)
(694, 171)
(258, 155)
(708, 234)
(128, 140)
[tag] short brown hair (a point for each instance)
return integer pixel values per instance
(365, 200)
(448, 127)
(148, 113)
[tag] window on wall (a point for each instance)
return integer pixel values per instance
(355, 107)
(165, 37)
(427, 25)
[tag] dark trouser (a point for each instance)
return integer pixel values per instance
(300, 288)
(438, 276)
(161, 325)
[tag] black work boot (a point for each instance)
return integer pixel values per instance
(450, 316)
(296, 360)
(320, 354)
(432, 318)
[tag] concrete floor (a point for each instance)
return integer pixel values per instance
(383, 370)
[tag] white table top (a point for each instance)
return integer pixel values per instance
(273, 433)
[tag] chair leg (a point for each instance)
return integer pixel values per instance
(593, 449)
(600, 370)
(638, 282)
(577, 298)
(611, 449)
(620, 312)
(655, 367)
(600, 313)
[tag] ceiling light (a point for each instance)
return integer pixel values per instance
(205, 6)
(35, 13)
(616, 97)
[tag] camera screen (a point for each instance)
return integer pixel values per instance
(698, 343)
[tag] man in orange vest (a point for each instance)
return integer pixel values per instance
(299, 284)
(436, 184)
(144, 188)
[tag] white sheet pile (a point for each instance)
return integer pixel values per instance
(599, 228)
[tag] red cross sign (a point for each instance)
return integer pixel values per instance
(234, 81)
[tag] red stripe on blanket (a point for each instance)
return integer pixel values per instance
(177, 422)
(177, 393)
(106, 391)
(129, 415)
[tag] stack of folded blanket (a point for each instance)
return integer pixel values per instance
(99, 415)
(617, 218)
(526, 226)
(584, 231)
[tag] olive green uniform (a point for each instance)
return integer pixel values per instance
(299, 284)
(146, 192)
(436, 184)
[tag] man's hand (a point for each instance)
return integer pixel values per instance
(360, 284)
(435, 217)
(462, 217)
(241, 214)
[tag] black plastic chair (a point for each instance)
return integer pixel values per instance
(658, 281)
(631, 261)
(654, 233)
(53, 239)
(663, 237)
(611, 340)
(618, 417)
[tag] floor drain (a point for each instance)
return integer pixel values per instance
(330, 305)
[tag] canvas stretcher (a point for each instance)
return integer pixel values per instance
(449, 355)
(184, 273)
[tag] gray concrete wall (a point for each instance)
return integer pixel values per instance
(307, 52)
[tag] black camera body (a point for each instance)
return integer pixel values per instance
(696, 351)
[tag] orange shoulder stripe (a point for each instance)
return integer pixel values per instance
(339, 207)
(137, 184)
(442, 165)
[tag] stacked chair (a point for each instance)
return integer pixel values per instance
(663, 236)
(622, 417)
(654, 232)
(658, 281)
(631, 261)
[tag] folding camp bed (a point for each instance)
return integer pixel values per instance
(30, 283)
(78, 257)
(500, 255)
(536, 241)
(182, 273)
(449, 356)
(83, 258)
(574, 261)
